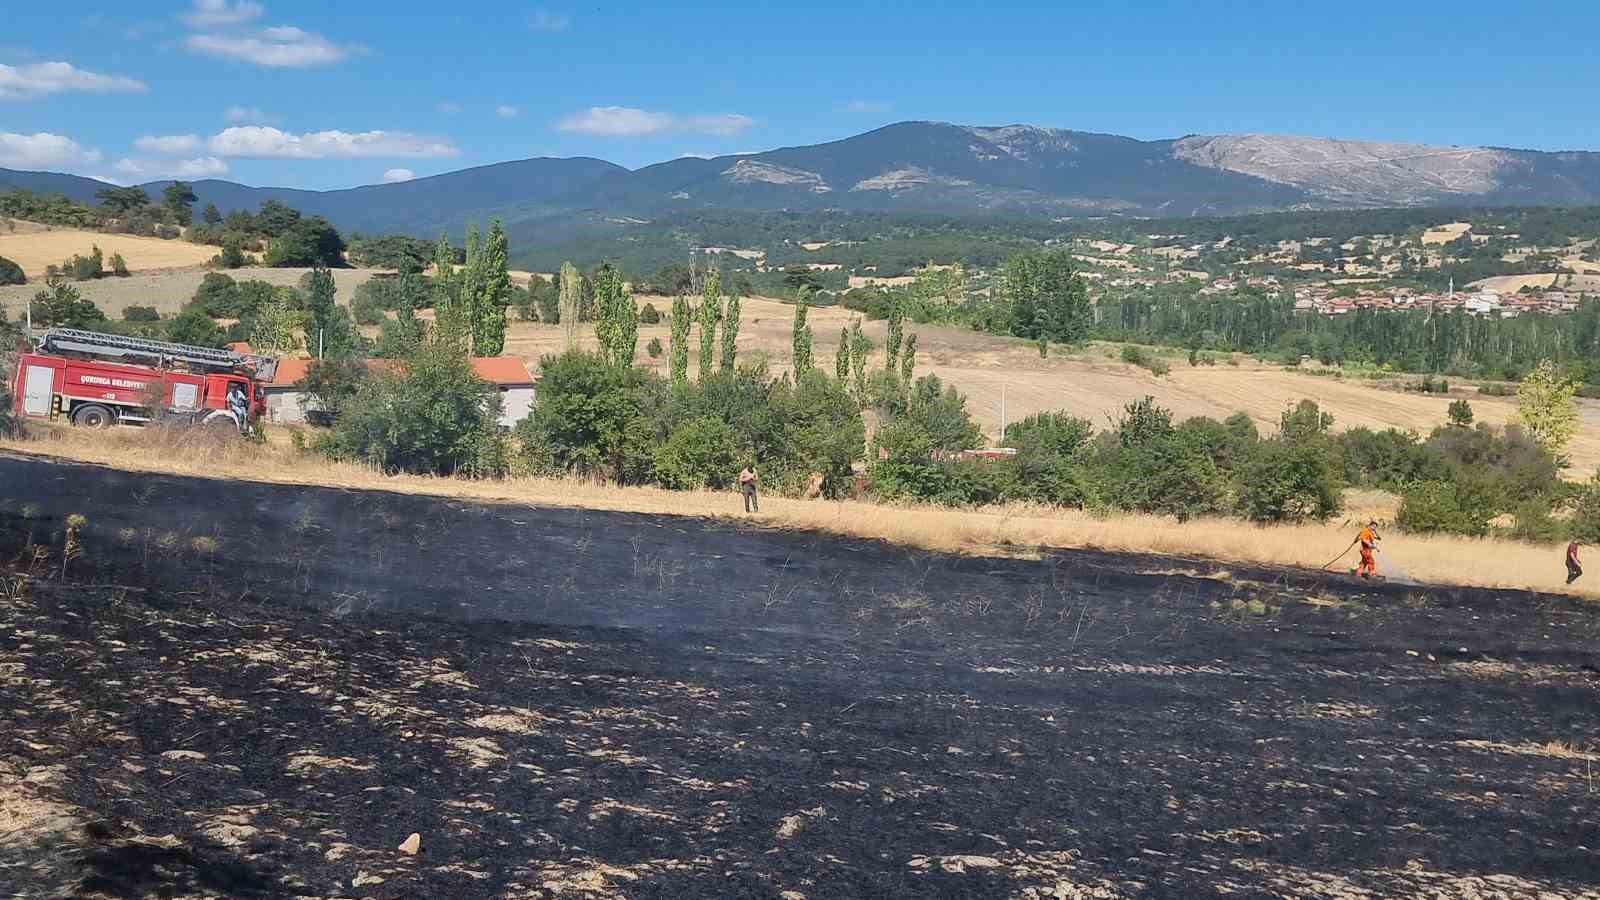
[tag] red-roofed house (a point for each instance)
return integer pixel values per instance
(287, 404)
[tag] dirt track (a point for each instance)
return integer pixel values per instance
(251, 689)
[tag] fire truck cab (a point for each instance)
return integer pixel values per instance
(98, 380)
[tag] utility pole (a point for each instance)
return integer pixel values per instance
(320, 332)
(1002, 412)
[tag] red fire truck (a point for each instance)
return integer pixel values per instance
(98, 380)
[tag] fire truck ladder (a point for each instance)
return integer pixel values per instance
(116, 346)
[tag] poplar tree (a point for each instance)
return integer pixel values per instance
(710, 312)
(801, 341)
(446, 292)
(908, 360)
(858, 358)
(489, 314)
(682, 321)
(470, 293)
(841, 358)
(571, 301)
(607, 321)
(730, 332)
(625, 324)
(897, 330)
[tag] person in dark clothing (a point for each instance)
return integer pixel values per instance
(747, 487)
(1574, 570)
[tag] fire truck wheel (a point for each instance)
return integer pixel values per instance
(93, 416)
(222, 423)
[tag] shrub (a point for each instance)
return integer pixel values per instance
(1497, 390)
(700, 453)
(1532, 522)
(11, 273)
(331, 383)
(232, 255)
(168, 232)
(119, 266)
(60, 304)
(1459, 413)
(141, 314)
(365, 310)
(85, 268)
(1585, 524)
(649, 316)
(193, 326)
(653, 348)
(434, 417)
(1289, 481)
(1444, 506)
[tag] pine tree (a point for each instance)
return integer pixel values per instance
(489, 319)
(908, 360)
(897, 330)
(730, 333)
(710, 312)
(841, 358)
(801, 341)
(571, 301)
(682, 321)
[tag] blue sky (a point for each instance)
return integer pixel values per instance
(320, 95)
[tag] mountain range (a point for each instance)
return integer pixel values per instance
(940, 168)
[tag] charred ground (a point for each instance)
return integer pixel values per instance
(250, 689)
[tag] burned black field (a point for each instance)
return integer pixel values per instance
(227, 689)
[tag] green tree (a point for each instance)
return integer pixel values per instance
(800, 341)
(211, 216)
(192, 326)
(1546, 408)
(860, 346)
(682, 321)
(1460, 413)
(120, 201)
(449, 314)
(328, 327)
(710, 314)
(11, 273)
(179, 198)
(309, 242)
(276, 321)
(571, 301)
(1048, 298)
(494, 293)
(60, 305)
(841, 357)
(908, 359)
(730, 332)
(698, 454)
(432, 416)
(653, 348)
(469, 293)
(896, 331)
(616, 323)
(649, 315)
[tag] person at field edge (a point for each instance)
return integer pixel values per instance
(747, 487)
(1369, 549)
(1574, 569)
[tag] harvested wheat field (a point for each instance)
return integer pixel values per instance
(328, 692)
(34, 251)
(169, 291)
(1090, 383)
(1588, 279)
(1446, 233)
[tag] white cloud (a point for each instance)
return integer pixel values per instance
(168, 143)
(280, 46)
(545, 20)
(390, 176)
(43, 150)
(448, 108)
(260, 142)
(251, 114)
(694, 156)
(625, 121)
(214, 13)
(722, 126)
(507, 111)
(199, 167)
(39, 79)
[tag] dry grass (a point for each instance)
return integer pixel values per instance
(1010, 530)
(169, 291)
(1446, 233)
(35, 250)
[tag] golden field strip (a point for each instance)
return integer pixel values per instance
(1009, 530)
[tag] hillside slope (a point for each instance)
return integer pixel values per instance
(938, 167)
